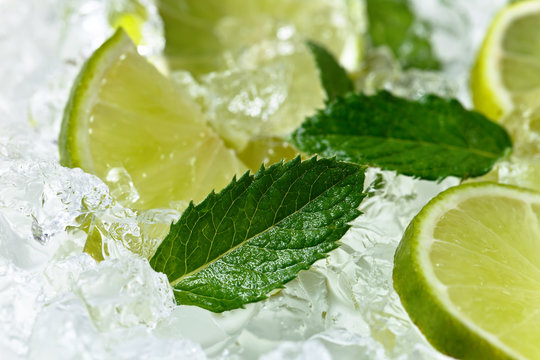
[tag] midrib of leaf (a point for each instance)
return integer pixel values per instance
(417, 141)
(200, 268)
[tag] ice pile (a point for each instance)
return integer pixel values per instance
(58, 303)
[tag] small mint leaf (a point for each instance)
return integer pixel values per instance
(259, 232)
(392, 23)
(432, 138)
(334, 78)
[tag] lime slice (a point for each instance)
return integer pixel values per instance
(123, 114)
(507, 70)
(206, 36)
(468, 272)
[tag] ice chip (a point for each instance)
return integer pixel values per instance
(294, 313)
(139, 343)
(345, 345)
(121, 186)
(214, 332)
(38, 201)
(382, 72)
(60, 276)
(19, 305)
(239, 103)
(299, 351)
(124, 292)
(63, 330)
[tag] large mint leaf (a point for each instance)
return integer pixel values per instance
(431, 138)
(392, 23)
(259, 232)
(334, 78)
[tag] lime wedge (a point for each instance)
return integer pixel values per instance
(507, 70)
(123, 114)
(468, 272)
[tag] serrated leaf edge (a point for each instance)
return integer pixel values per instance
(253, 178)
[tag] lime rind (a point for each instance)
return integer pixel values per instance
(77, 107)
(490, 93)
(485, 75)
(425, 297)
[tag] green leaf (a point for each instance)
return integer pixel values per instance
(334, 78)
(392, 23)
(259, 232)
(432, 138)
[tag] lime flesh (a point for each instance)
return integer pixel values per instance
(507, 70)
(468, 272)
(124, 114)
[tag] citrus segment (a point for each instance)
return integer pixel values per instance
(468, 272)
(123, 113)
(507, 70)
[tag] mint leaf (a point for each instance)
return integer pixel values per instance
(334, 78)
(259, 232)
(432, 138)
(392, 23)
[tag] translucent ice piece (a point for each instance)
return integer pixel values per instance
(115, 232)
(124, 292)
(39, 199)
(270, 100)
(18, 308)
(296, 313)
(302, 351)
(64, 330)
(214, 332)
(382, 72)
(522, 166)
